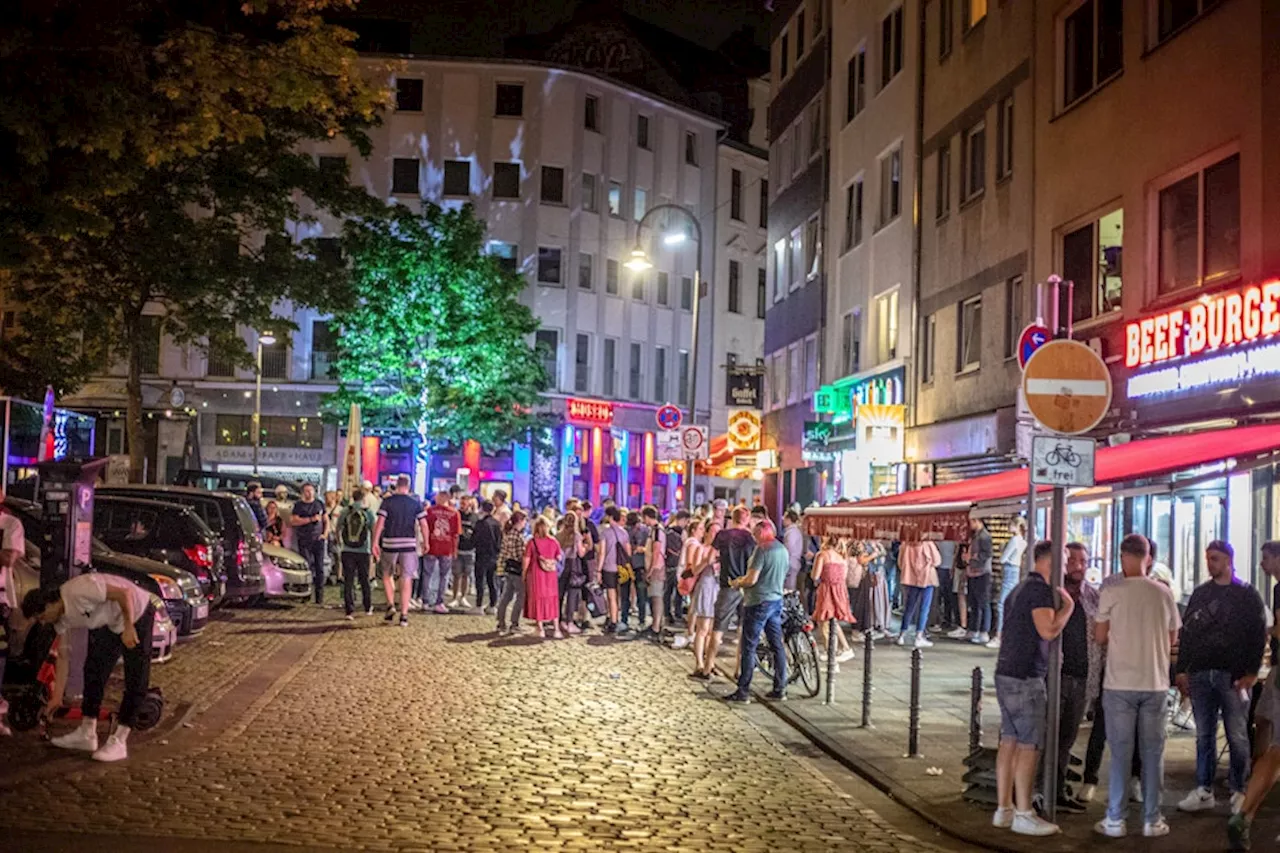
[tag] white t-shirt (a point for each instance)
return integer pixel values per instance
(12, 538)
(84, 598)
(1142, 614)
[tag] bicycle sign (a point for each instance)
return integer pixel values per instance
(1061, 461)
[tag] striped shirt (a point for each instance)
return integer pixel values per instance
(400, 514)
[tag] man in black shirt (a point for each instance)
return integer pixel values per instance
(310, 523)
(1033, 620)
(1075, 670)
(488, 542)
(735, 544)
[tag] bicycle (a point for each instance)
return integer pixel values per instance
(1063, 454)
(801, 648)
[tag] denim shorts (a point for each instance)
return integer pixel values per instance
(1024, 704)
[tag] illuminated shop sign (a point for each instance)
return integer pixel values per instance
(593, 412)
(1229, 369)
(1228, 319)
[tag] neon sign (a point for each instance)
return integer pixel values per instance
(594, 412)
(1241, 316)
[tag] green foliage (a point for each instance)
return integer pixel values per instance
(436, 339)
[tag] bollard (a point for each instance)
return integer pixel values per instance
(975, 711)
(913, 724)
(832, 627)
(868, 645)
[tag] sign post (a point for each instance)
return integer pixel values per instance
(669, 417)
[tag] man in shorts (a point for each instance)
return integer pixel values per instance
(615, 547)
(1266, 770)
(395, 546)
(735, 544)
(655, 570)
(464, 565)
(442, 529)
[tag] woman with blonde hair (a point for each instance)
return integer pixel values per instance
(830, 568)
(704, 566)
(541, 584)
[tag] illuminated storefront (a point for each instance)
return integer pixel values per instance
(866, 448)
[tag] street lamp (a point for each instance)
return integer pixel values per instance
(265, 339)
(639, 263)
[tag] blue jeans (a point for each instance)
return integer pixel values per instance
(980, 604)
(919, 600)
(766, 616)
(313, 551)
(1211, 692)
(1126, 709)
(1008, 582)
(442, 569)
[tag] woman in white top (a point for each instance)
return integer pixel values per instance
(1010, 571)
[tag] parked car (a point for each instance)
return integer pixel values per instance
(177, 588)
(228, 516)
(166, 532)
(287, 574)
(226, 481)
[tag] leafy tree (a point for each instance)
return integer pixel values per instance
(202, 194)
(436, 339)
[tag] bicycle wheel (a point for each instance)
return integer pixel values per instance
(804, 659)
(764, 656)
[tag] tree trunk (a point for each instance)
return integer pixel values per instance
(133, 391)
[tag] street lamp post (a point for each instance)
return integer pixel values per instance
(265, 338)
(639, 263)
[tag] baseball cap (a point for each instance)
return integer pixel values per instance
(721, 503)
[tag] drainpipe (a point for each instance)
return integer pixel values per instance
(913, 363)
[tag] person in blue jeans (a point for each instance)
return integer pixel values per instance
(762, 611)
(1224, 633)
(310, 522)
(1138, 622)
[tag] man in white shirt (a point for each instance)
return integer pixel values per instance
(1138, 622)
(13, 545)
(119, 617)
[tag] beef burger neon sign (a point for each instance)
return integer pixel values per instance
(1241, 316)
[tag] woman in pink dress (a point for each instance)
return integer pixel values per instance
(829, 570)
(541, 581)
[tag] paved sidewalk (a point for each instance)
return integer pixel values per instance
(879, 753)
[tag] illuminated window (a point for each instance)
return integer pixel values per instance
(615, 199)
(641, 203)
(887, 327)
(1092, 257)
(974, 11)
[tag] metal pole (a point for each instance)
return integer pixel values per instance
(975, 711)
(832, 627)
(867, 647)
(257, 407)
(693, 367)
(913, 720)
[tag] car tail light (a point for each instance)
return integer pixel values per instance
(200, 555)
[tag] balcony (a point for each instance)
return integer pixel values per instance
(275, 362)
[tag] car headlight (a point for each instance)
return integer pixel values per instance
(168, 588)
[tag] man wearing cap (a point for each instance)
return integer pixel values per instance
(1224, 633)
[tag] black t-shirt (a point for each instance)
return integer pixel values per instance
(303, 509)
(1075, 644)
(735, 546)
(467, 538)
(1275, 611)
(1023, 652)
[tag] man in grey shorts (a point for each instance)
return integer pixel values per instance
(395, 546)
(734, 545)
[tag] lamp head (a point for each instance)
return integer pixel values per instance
(266, 338)
(639, 260)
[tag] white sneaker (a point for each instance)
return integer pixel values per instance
(958, 634)
(440, 608)
(415, 604)
(84, 737)
(681, 641)
(1087, 793)
(923, 642)
(114, 749)
(1003, 818)
(994, 644)
(980, 639)
(1111, 828)
(1237, 802)
(1030, 823)
(1135, 790)
(902, 639)
(1199, 800)
(1156, 829)
(845, 655)
(368, 611)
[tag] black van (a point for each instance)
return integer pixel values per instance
(228, 516)
(166, 532)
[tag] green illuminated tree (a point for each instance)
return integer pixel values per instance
(437, 340)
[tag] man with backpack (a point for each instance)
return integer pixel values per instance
(355, 540)
(672, 600)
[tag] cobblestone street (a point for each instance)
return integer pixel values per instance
(294, 727)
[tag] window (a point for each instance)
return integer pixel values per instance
(457, 177)
(735, 287)
(611, 277)
(928, 348)
(9, 324)
(691, 148)
(946, 27)
(547, 343)
(1199, 233)
(1092, 258)
(552, 185)
(686, 293)
(799, 37)
(764, 203)
(591, 113)
(332, 165)
(507, 255)
(237, 431)
(762, 292)
(549, 265)
(890, 46)
(887, 327)
(969, 341)
(590, 202)
(735, 195)
(615, 198)
(814, 118)
(324, 349)
(636, 374)
(974, 12)
(853, 214)
(329, 251)
(1091, 50)
(1014, 311)
(642, 131)
(404, 176)
(779, 268)
(682, 378)
(944, 179)
(795, 373)
(149, 334)
(778, 379)
(856, 85)
(817, 18)
(664, 288)
(812, 248)
(890, 186)
(275, 361)
(506, 180)
(1004, 137)
(782, 68)
(797, 147)
(582, 364)
(637, 286)
(586, 279)
(509, 100)
(1172, 15)
(810, 364)
(609, 381)
(973, 177)
(641, 203)
(409, 94)
(659, 374)
(851, 343)
(795, 271)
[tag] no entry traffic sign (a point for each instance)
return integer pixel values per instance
(1067, 387)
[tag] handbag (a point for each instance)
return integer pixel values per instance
(594, 597)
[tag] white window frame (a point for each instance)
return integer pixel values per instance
(1060, 45)
(1089, 290)
(609, 376)
(661, 382)
(897, 19)
(812, 367)
(1195, 167)
(884, 213)
(795, 372)
(591, 271)
(888, 331)
(781, 256)
(795, 259)
(851, 342)
(855, 84)
(635, 366)
(616, 214)
(963, 366)
(639, 202)
(560, 267)
(968, 190)
(812, 247)
(929, 349)
(1005, 115)
(585, 386)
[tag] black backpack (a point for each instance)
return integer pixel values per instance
(355, 528)
(675, 542)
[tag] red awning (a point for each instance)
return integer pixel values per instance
(926, 513)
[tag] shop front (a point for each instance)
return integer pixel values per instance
(609, 450)
(864, 448)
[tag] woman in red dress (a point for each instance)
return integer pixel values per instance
(541, 579)
(829, 570)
